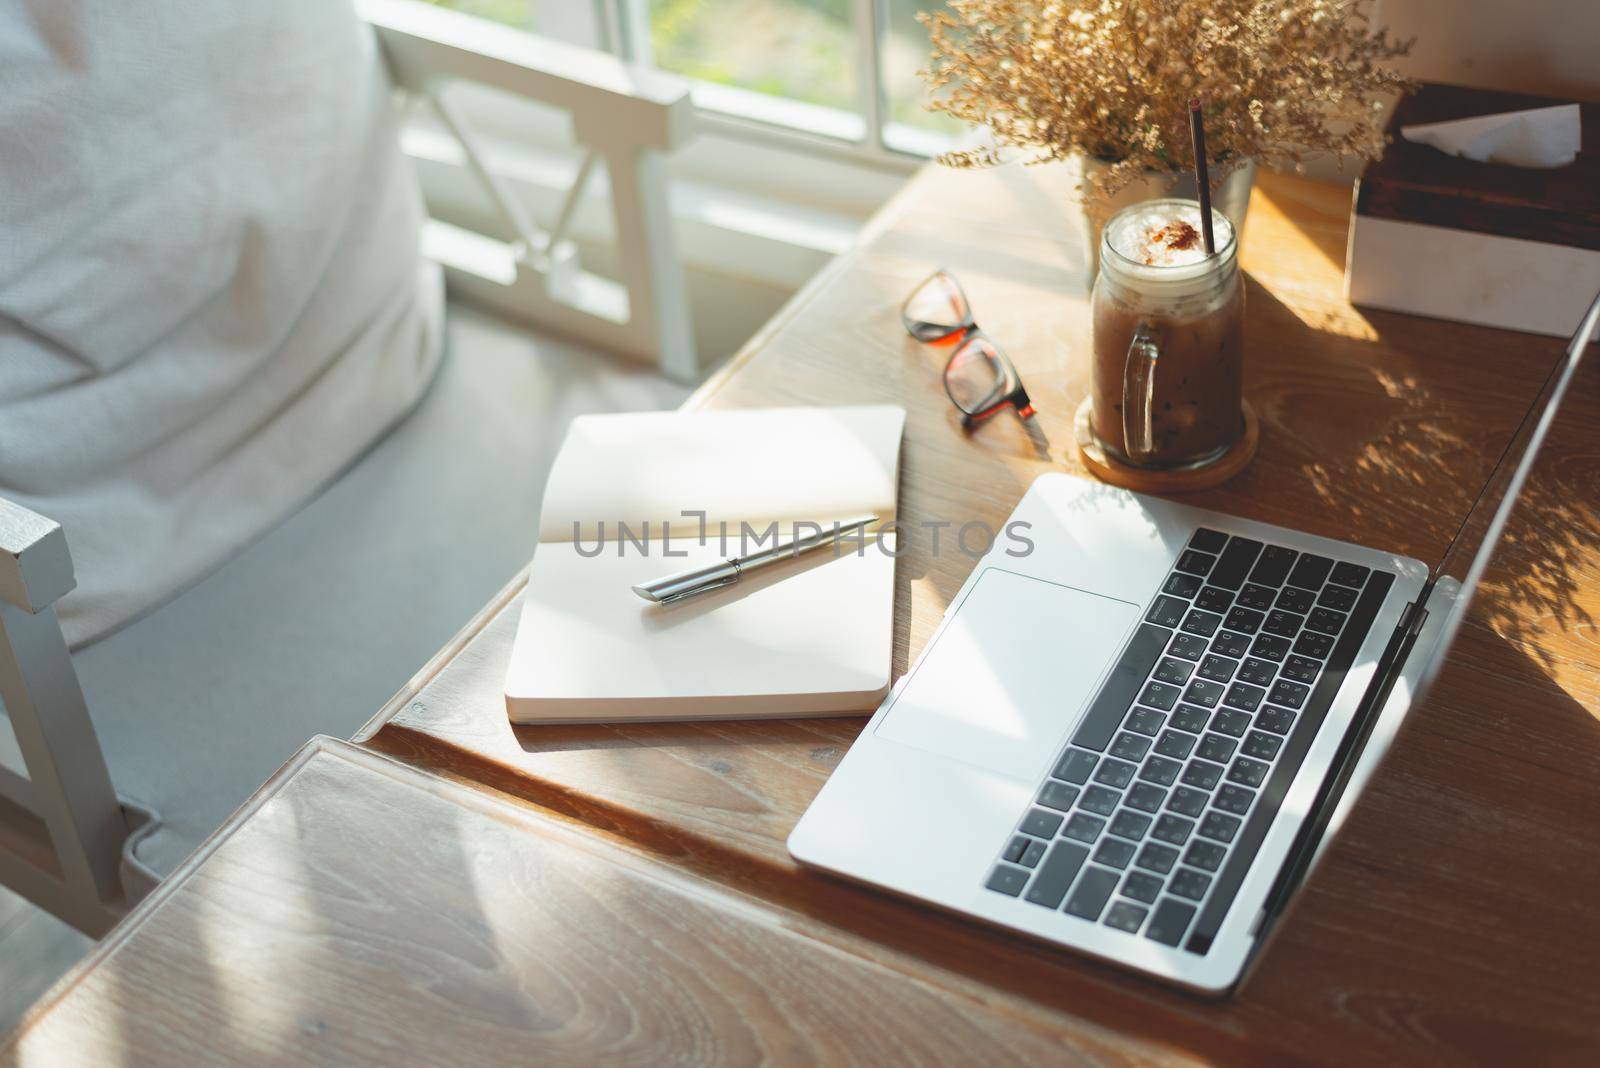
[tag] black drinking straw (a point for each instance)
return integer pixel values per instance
(1197, 128)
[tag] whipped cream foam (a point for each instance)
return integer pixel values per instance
(1165, 234)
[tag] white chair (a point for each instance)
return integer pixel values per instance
(309, 629)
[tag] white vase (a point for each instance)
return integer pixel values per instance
(1232, 198)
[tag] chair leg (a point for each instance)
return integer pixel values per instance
(67, 786)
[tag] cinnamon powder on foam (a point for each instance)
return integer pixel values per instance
(1175, 236)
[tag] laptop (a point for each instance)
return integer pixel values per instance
(1135, 740)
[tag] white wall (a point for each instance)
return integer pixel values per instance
(1550, 47)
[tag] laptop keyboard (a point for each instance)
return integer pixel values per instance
(1150, 818)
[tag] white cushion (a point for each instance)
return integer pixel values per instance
(211, 298)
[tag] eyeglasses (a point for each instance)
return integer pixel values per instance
(979, 376)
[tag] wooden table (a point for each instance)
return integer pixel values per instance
(453, 889)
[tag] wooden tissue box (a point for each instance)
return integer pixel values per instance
(1482, 243)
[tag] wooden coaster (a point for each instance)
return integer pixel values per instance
(1108, 468)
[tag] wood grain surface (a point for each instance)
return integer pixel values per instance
(1376, 427)
(322, 929)
(1453, 921)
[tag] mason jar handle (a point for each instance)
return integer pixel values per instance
(1138, 394)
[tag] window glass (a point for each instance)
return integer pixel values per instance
(905, 52)
(575, 21)
(798, 49)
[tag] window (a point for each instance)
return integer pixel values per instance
(842, 73)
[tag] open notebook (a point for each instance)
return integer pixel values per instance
(810, 635)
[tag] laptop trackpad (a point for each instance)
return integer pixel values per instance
(1010, 674)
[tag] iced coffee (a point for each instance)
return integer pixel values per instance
(1168, 371)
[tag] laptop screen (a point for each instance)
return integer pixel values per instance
(1456, 577)
(1447, 596)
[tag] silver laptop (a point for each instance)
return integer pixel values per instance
(1135, 740)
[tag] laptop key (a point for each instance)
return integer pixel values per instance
(1245, 696)
(1175, 744)
(1190, 884)
(1204, 692)
(1115, 853)
(1230, 643)
(1276, 720)
(1145, 720)
(1126, 916)
(1230, 722)
(1166, 611)
(1160, 695)
(1188, 646)
(1007, 880)
(1083, 827)
(1195, 563)
(1191, 718)
(1015, 848)
(1187, 802)
(1257, 672)
(1235, 562)
(1160, 770)
(1173, 670)
(1173, 830)
(1099, 800)
(1075, 766)
(1146, 796)
(1234, 799)
(1114, 772)
(1257, 597)
(1269, 647)
(1130, 746)
(1296, 600)
(1089, 897)
(1301, 669)
(1247, 772)
(1141, 886)
(1290, 694)
(1180, 585)
(1204, 854)
(1214, 599)
(1111, 703)
(1057, 795)
(1156, 857)
(1207, 540)
(1130, 825)
(1310, 643)
(1055, 875)
(1347, 574)
(1172, 917)
(1041, 824)
(1310, 571)
(1244, 620)
(1274, 565)
(1325, 621)
(1201, 622)
(1261, 745)
(1217, 668)
(1202, 774)
(1216, 748)
(1220, 826)
(1338, 598)
(1283, 624)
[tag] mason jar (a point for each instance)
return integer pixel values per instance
(1168, 375)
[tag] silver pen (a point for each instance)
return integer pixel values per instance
(671, 588)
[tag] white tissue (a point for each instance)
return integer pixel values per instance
(1542, 137)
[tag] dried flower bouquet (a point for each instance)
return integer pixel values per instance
(1110, 80)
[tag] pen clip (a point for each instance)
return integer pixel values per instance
(695, 591)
